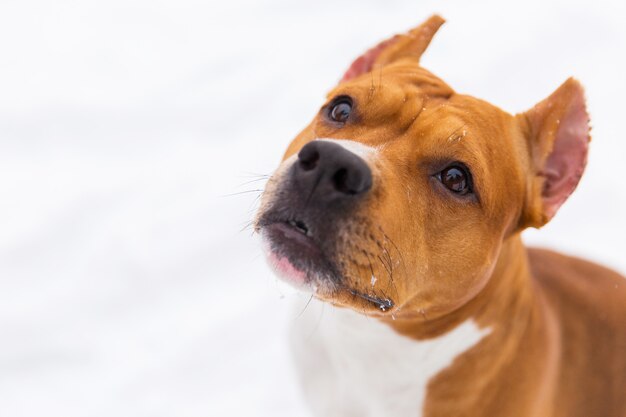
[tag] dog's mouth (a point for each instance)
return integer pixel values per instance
(299, 257)
(294, 253)
(299, 225)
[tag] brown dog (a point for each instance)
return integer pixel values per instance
(404, 201)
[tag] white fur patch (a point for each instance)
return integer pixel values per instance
(367, 153)
(364, 151)
(353, 365)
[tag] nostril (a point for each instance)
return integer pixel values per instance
(308, 158)
(328, 170)
(340, 180)
(352, 181)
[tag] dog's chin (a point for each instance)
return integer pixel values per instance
(287, 272)
(295, 257)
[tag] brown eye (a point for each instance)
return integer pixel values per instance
(456, 179)
(340, 110)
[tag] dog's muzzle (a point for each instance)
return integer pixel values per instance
(316, 198)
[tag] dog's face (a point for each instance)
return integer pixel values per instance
(397, 197)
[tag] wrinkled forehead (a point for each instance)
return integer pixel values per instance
(480, 135)
(457, 128)
(461, 122)
(402, 78)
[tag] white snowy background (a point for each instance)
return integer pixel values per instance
(126, 286)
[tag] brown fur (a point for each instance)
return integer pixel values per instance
(557, 345)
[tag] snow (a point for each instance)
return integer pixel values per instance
(126, 286)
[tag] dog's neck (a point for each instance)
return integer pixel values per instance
(503, 332)
(512, 307)
(509, 295)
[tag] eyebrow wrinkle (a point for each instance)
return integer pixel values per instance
(410, 124)
(372, 90)
(454, 135)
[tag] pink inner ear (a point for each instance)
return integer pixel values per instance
(568, 158)
(365, 62)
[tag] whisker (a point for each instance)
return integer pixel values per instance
(252, 181)
(384, 264)
(255, 201)
(390, 273)
(369, 261)
(247, 226)
(241, 192)
(370, 264)
(317, 324)
(406, 275)
(390, 263)
(305, 307)
(254, 174)
(383, 304)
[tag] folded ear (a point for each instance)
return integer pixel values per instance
(411, 44)
(557, 133)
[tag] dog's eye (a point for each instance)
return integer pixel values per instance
(340, 110)
(457, 179)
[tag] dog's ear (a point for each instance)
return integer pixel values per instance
(411, 44)
(557, 133)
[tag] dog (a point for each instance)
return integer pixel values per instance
(399, 209)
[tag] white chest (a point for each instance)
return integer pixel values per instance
(352, 365)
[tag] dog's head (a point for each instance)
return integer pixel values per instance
(397, 197)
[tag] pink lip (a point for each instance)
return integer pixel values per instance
(285, 269)
(280, 238)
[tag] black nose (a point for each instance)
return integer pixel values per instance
(329, 171)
